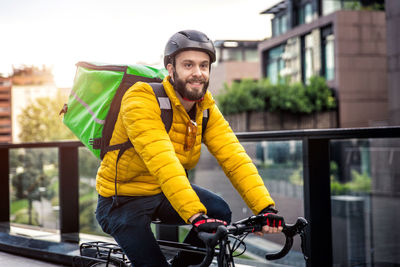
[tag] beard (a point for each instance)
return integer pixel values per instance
(181, 87)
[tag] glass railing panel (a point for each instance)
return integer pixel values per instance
(88, 166)
(34, 198)
(280, 166)
(365, 186)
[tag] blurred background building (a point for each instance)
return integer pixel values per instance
(5, 109)
(236, 60)
(340, 41)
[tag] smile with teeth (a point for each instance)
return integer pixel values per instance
(196, 83)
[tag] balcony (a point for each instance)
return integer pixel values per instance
(345, 182)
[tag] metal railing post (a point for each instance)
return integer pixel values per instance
(317, 201)
(69, 193)
(5, 185)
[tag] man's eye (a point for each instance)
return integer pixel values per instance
(188, 65)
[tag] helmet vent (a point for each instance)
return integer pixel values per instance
(185, 33)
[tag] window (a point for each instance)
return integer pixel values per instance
(307, 57)
(280, 24)
(275, 64)
(251, 55)
(328, 53)
(305, 14)
(330, 6)
(284, 22)
(232, 54)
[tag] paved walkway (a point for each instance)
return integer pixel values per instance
(11, 260)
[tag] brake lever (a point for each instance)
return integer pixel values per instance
(290, 231)
(303, 244)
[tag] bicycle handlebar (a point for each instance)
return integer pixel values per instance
(290, 230)
(211, 240)
(251, 224)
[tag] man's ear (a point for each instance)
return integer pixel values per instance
(170, 69)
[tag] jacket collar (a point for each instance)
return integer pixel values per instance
(206, 103)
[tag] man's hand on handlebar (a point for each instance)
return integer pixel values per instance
(203, 223)
(273, 222)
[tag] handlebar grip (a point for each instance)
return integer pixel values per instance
(210, 240)
(290, 230)
(285, 250)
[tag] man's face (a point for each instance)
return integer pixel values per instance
(190, 74)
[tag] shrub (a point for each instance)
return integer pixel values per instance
(250, 95)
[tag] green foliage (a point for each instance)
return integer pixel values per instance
(246, 95)
(374, 7)
(360, 183)
(23, 216)
(297, 176)
(18, 205)
(250, 95)
(40, 121)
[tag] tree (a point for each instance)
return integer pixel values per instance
(40, 121)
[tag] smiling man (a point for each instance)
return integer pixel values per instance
(151, 178)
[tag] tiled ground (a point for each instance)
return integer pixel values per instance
(11, 260)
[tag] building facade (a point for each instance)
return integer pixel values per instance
(5, 110)
(236, 60)
(393, 53)
(347, 47)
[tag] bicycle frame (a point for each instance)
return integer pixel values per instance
(224, 253)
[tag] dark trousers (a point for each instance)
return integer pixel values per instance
(129, 224)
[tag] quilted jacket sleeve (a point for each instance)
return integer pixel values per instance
(141, 117)
(237, 165)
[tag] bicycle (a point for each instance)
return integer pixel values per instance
(218, 245)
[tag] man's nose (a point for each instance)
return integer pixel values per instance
(197, 71)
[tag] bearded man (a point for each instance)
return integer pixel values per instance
(151, 181)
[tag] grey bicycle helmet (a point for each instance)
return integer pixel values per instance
(188, 40)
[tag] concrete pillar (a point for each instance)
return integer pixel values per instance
(393, 54)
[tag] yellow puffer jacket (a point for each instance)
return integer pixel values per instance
(158, 161)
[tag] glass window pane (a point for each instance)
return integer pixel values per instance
(308, 14)
(276, 26)
(330, 58)
(251, 55)
(275, 63)
(34, 187)
(301, 15)
(308, 57)
(365, 201)
(284, 22)
(232, 54)
(88, 165)
(330, 6)
(272, 72)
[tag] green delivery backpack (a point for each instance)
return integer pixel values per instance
(95, 101)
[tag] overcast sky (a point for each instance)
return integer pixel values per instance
(63, 32)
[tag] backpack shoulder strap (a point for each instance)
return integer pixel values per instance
(206, 114)
(166, 109)
(164, 103)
